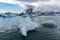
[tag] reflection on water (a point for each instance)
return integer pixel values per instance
(41, 33)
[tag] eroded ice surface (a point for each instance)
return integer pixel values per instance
(49, 24)
(27, 24)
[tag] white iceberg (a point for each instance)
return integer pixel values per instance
(27, 24)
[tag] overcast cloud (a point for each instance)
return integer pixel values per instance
(23, 3)
(32, 0)
(34, 3)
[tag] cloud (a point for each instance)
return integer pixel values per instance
(29, 6)
(32, 0)
(33, 3)
(23, 3)
(37, 2)
(43, 5)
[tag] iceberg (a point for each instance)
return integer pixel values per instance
(27, 24)
(49, 24)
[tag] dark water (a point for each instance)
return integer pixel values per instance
(9, 30)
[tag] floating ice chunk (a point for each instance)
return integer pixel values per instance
(49, 24)
(27, 24)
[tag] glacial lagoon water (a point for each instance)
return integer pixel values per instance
(9, 29)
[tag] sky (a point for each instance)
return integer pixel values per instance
(5, 7)
(9, 7)
(19, 5)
